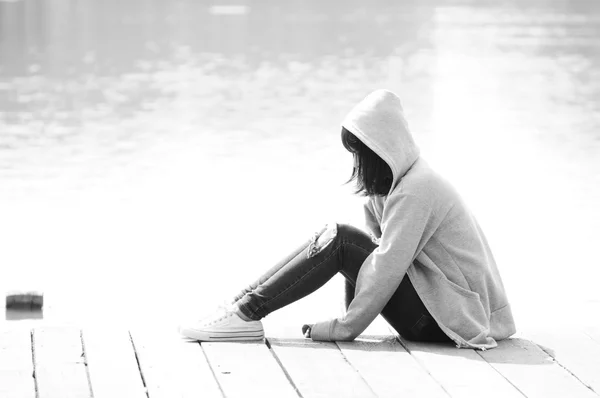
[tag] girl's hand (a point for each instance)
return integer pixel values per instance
(306, 330)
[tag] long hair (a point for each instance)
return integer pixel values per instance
(371, 174)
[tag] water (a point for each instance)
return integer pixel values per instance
(155, 156)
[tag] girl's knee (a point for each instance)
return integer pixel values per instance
(348, 231)
(325, 236)
(322, 239)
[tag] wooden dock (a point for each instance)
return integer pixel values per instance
(63, 362)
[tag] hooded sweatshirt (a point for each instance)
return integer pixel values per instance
(426, 232)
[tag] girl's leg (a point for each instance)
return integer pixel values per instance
(349, 289)
(334, 249)
(407, 314)
(267, 275)
(340, 248)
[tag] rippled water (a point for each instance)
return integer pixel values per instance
(157, 155)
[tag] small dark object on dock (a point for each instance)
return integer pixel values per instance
(25, 300)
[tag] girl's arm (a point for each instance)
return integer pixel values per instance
(371, 222)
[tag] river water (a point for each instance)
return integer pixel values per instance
(155, 156)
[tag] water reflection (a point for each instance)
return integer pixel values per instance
(139, 140)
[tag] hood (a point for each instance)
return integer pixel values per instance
(378, 121)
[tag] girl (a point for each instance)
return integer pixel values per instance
(426, 267)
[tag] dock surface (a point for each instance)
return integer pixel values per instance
(66, 361)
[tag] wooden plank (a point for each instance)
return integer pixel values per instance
(112, 365)
(17, 383)
(57, 345)
(15, 349)
(173, 367)
(59, 363)
(533, 371)
(67, 380)
(389, 370)
(16, 364)
(318, 369)
(574, 350)
(461, 372)
(247, 369)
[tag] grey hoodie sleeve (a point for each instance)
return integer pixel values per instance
(404, 222)
(371, 221)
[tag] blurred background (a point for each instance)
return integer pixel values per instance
(156, 156)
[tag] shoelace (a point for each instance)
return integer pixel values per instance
(219, 319)
(223, 311)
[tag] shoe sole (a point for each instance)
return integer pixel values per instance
(242, 335)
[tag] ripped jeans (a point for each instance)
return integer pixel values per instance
(343, 249)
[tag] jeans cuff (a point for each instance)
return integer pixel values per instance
(248, 312)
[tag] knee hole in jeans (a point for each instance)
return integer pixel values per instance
(320, 240)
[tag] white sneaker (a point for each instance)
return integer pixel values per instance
(227, 326)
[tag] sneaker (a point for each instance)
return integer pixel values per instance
(227, 326)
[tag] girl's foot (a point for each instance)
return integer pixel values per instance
(224, 326)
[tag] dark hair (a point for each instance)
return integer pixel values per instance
(371, 174)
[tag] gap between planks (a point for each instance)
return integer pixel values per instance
(287, 375)
(173, 367)
(318, 367)
(389, 368)
(573, 350)
(247, 369)
(533, 371)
